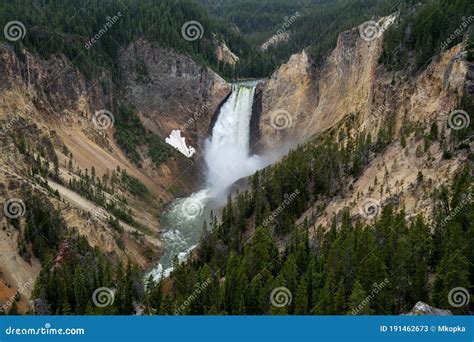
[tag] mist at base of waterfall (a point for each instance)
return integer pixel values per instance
(228, 159)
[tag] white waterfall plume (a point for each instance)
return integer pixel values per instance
(228, 158)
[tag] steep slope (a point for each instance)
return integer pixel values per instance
(171, 91)
(353, 95)
(375, 199)
(317, 99)
(58, 139)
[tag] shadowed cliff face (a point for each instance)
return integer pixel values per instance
(171, 91)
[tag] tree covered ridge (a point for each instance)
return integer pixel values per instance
(331, 270)
(62, 26)
(424, 30)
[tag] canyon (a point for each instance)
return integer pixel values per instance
(235, 129)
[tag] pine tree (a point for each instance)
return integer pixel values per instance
(358, 303)
(301, 300)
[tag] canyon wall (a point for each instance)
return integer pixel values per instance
(353, 94)
(49, 115)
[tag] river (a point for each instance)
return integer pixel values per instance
(228, 158)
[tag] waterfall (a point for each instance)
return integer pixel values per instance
(227, 150)
(227, 157)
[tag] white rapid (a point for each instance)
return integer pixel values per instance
(227, 156)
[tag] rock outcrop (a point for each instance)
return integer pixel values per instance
(171, 91)
(352, 93)
(423, 309)
(225, 55)
(308, 101)
(288, 100)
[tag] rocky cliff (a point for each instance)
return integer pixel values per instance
(352, 94)
(57, 140)
(300, 101)
(171, 91)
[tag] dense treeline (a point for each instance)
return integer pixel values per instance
(315, 28)
(131, 135)
(71, 269)
(63, 26)
(55, 26)
(424, 30)
(330, 270)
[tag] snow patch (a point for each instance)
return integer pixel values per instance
(177, 141)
